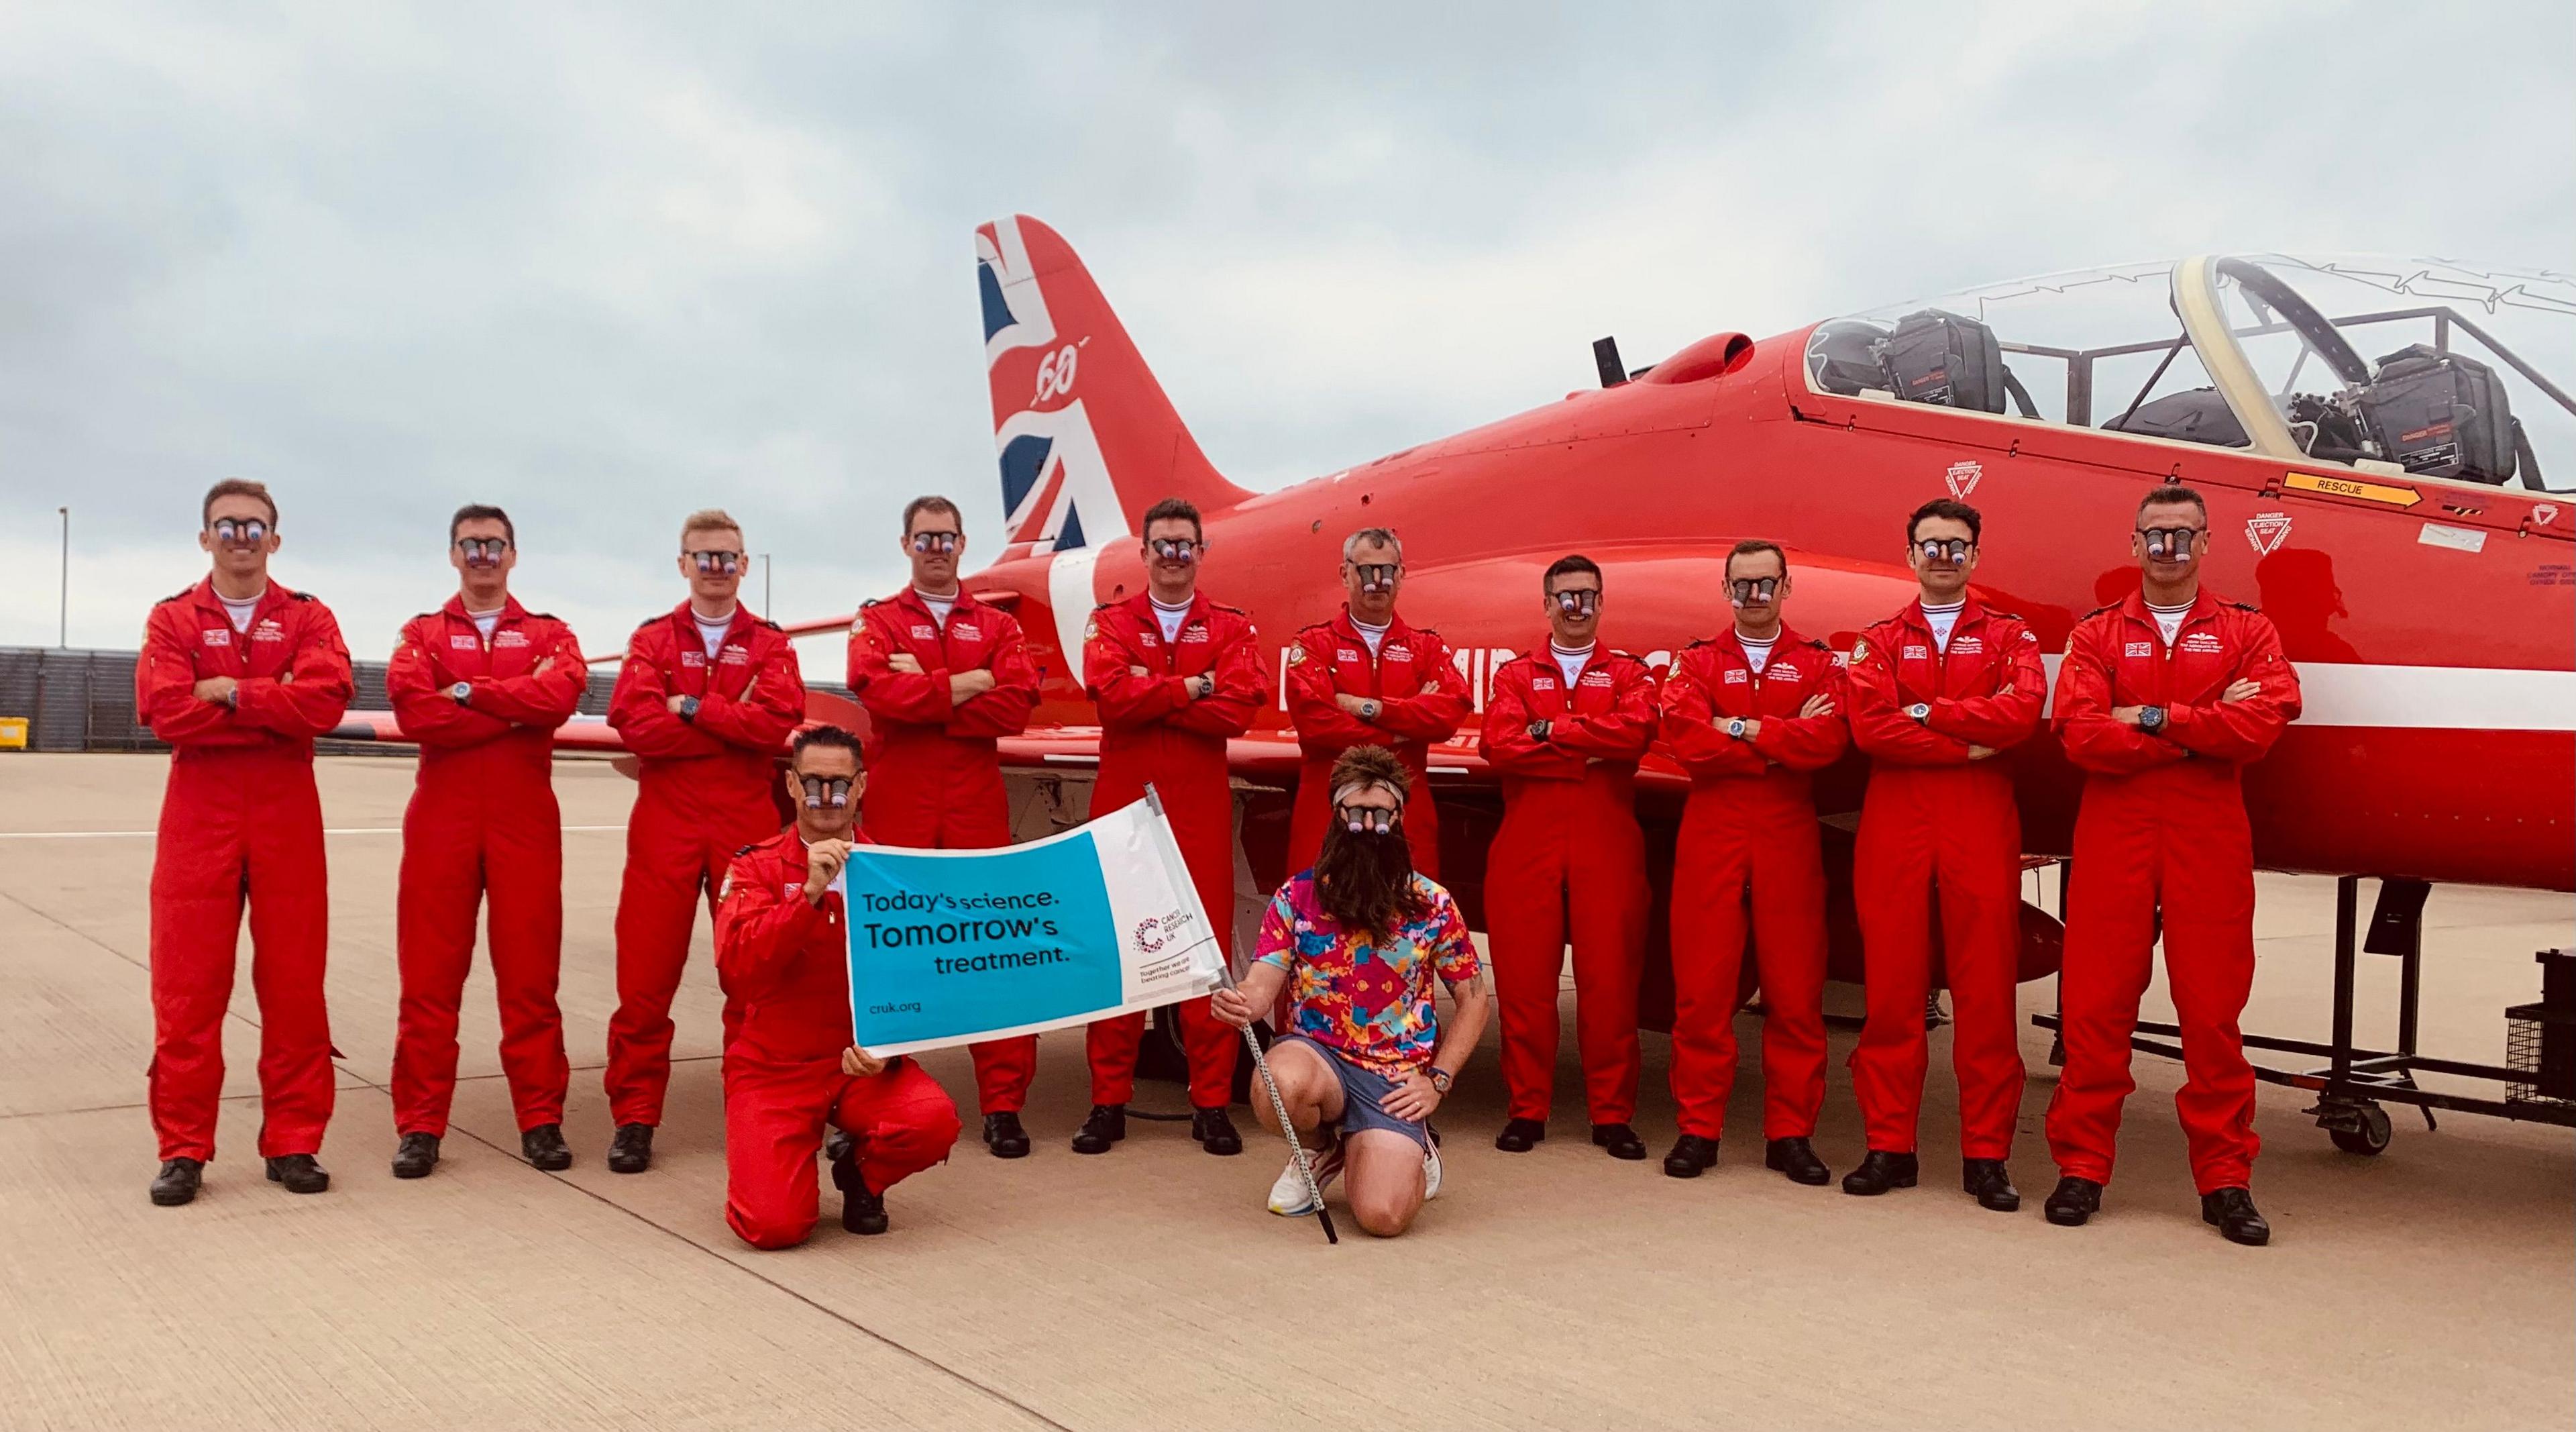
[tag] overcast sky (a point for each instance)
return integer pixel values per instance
(606, 264)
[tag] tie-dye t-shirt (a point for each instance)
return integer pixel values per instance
(1366, 997)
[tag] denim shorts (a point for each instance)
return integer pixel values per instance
(1364, 1094)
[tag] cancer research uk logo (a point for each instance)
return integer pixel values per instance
(1155, 931)
(2267, 531)
(1963, 477)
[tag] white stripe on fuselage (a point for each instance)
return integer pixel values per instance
(2445, 698)
(1069, 592)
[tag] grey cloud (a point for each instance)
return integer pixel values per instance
(606, 264)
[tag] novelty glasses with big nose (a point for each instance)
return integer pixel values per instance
(1376, 576)
(482, 551)
(1952, 550)
(2170, 544)
(239, 531)
(943, 543)
(1753, 591)
(710, 563)
(1176, 549)
(1579, 601)
(820, 792)
(1368, 820)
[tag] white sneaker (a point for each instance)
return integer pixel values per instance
(1289, 1197)
(1430, 1171)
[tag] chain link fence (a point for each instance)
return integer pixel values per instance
(80, 700)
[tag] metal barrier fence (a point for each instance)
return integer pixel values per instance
(81, 700)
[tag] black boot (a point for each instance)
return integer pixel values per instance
(1880, 1171)
(2075, 1200)
(1519, 1136)
(1215, 1132)
(631, 1150)
(1106, 1126)
(1004, 1136)
(299, 1172)
(416, 1156)
(2232, 1211)
(1796, 1158)
(1620, 1140)
(545, 1148)
(837, 1145)
(178, 1181)
(861, 1211)
(1690, 1154)
(1992, 1183)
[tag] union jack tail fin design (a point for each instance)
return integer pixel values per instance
(1087, 438)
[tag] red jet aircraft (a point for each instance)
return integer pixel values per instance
(2430, 608)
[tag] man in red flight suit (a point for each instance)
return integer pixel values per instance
(239, 675)
(1937, 692)
(481, 684)
(1749, 715)
(2163, 699)
(1564, 729)
(789, 1067)
(942, 675)
(1173, 675)
(1366, 679)
(706, 699)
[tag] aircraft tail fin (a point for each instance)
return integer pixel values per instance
(1087, 438)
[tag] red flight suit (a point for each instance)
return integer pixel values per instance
(934, 779)
(2163, 827)
(1153, 730)
(1569, 844)
(1934, 820)
(240, 819)
(482, 820)
(1423, 700)
(1750, 822)
(702, 794)
(786, 974)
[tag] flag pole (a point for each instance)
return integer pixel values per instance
(1260, 1063)
(1287, 1127)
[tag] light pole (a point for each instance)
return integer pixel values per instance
(63, 635)
(767, 608)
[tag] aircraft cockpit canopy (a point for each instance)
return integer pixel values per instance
(2433, 367)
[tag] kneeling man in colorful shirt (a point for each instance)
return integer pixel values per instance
(1357, 941)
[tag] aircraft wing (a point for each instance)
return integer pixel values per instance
(1271, 758)
(1262, 757)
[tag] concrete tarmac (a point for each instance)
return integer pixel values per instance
(2434, 1285)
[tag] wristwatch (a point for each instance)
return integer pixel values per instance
(688, 708)
(2151, 719)
(1921, 711)
(1368, 710)
(463, 691)
(1735, 728)
(1207, 685)
(1441, 1079)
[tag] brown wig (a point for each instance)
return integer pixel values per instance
(1365, 881)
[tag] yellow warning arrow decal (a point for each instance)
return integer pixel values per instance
(2349, 487)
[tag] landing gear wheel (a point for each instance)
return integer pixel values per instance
(2371, 1136)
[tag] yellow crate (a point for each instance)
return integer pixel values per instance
(13, 733)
